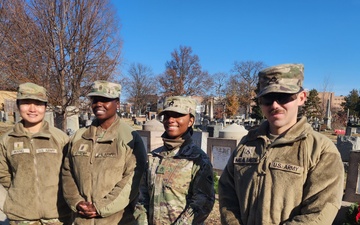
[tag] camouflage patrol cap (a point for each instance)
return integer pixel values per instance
(105, 89)
(285, 78)
(179, 104)
(31, 91)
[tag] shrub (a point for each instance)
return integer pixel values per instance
(353, 215)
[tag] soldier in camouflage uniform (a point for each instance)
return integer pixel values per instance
(282, 172)
(178, 187)
(31, 155)
(104, 165)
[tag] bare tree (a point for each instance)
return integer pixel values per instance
(219, 84)
(183, 75)
(62, 45)
(244, 82)
(140, 87)
(21, 56)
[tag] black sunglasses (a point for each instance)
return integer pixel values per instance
(280, 98)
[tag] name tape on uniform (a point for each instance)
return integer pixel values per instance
(286, 167)
(246, 160)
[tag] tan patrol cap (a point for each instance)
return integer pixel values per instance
(179, 104)
(31, 91)
(284, 78)
(105, 89)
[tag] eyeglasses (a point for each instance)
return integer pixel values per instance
(280, 98)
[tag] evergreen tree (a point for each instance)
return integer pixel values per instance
(255, 109)
(312, 108)
(352, 103)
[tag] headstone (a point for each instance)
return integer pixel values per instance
(2, 115)
(151, 134)
(211, 109)
(327, 119)
(346, 144)
(153, 125)
(214, 130)
(233, 131)
(352, 190)
(88, 123)
(219, 150)
(49, 117)
(350, 130)
(17, 117)
(72, 119)
(83, 118)
(200, 139)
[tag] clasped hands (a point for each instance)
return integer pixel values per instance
(86, 209)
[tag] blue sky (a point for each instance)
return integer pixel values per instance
(324, 35)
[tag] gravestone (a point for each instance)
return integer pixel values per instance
(219, 150)
(214, 130)
(83, 118)
(17, 117)
(72, 119)
(327, 119)
(352, 190)
(49, 117)
(88, 123)
(233, 131)
(350, 130)
(2, 114)
(200, 139)
(151, 134)
(346, 144)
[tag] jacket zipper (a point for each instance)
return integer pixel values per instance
(37, 188)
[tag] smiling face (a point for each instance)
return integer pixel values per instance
(177, 124)
(105, 109)
(283, 115)
(32, 112)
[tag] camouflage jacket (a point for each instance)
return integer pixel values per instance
(179, 186)
(30, 169)
(106, 172)
(297, 179)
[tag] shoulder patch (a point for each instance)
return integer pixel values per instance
(249, 151)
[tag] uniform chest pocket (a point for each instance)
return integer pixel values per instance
(177, 174)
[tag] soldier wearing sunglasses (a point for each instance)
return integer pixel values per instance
(282, 172)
